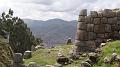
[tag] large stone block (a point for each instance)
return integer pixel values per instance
(102, 28)
(108, 28)
(18, 58)
(83, 12)
(91, 44)
(81, 19)
(112, 20)
(102, 36)
(80, 43)
(84, 49)
(81, 35)
(81, 26)
(118, 18)
(93, 14)
(96, 28)
(88, 19)
(118, 13)
(91, 36)
(96, 21)
(90, 27)
(99, 28)
(104, 20)
(100, 15)
(108, 13)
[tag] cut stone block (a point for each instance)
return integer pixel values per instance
(83, 12)
(81, 35)
(81, 26)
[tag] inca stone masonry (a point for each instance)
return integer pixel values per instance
(96, 28)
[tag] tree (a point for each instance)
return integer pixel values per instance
(20, 36)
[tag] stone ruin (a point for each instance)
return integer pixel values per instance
(96, 28)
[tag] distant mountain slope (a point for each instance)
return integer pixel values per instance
(53, 31)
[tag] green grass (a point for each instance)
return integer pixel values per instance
(107, 51)
(42, 57)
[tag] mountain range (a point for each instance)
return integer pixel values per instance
(53, 31)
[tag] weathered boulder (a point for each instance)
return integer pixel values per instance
(62, 60)
(27, 54)
(118, 58)
(113, 57)
(98, 50)
(106, 60)
(85, 64)
(93, 57)
(89, 61)
(84, 55)
(72, 55)
(18, 58)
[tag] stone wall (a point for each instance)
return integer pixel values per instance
(95, 28)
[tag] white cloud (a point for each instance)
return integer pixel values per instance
(47, 9)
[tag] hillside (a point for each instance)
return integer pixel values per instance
(107, 52)
(53, 31)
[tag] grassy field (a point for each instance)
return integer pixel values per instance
(42, 57)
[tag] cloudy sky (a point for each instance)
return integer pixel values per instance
(49, 9)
